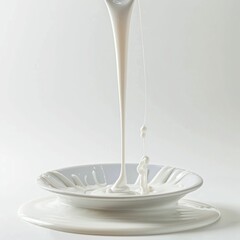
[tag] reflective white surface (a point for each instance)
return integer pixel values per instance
(51, 213)
(55, 72)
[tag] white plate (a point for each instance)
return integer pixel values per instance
(175, 184)
(51, 213)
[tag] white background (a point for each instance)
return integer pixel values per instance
(59, 104)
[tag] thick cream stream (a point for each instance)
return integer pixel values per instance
(120, 14)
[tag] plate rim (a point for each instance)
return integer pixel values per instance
(194, 187)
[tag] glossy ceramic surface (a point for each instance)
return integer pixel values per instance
(175, 182)
(51, 213)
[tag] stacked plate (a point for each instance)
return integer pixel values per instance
(71, 207)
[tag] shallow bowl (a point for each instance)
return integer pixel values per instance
(175, 184)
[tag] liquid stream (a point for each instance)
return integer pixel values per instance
(120, 14)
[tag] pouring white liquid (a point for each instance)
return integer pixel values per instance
(120, 13)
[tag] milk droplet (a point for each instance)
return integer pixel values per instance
(143, 131)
